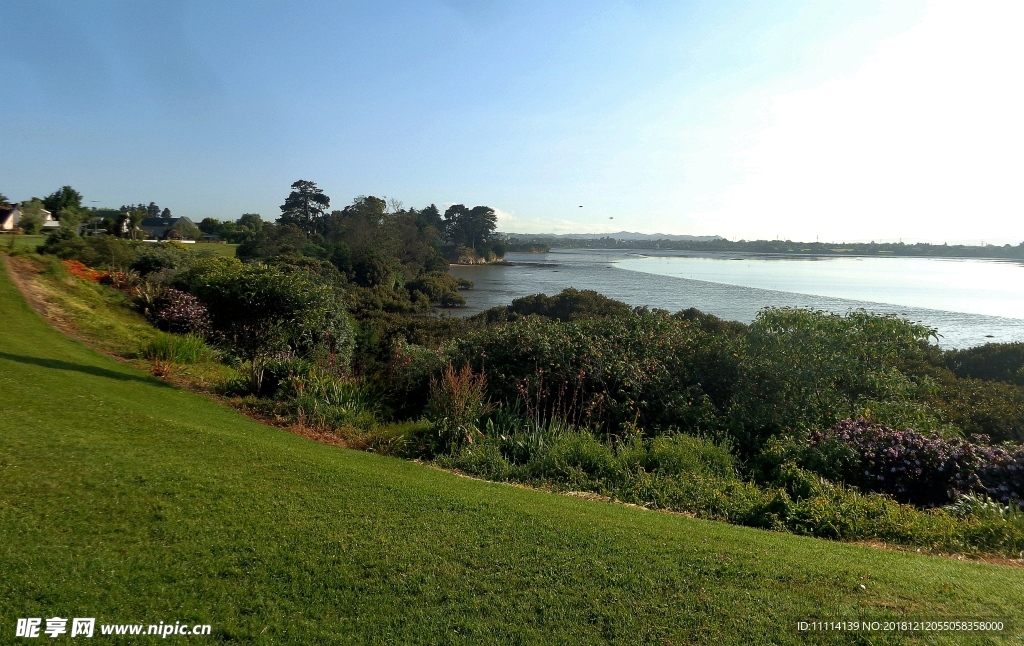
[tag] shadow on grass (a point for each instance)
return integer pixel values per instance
(77, 367)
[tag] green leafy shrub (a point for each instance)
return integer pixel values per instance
(804, 369)
(649, 369)
(574, 458)
(261, 310)
(992, 361)
(434, 285)
(152, 258)
(104, 252)
(409, 375)
(684, 454)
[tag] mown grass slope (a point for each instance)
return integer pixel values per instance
(124, 499)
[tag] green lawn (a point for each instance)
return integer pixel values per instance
(127, 500)
(34, 241)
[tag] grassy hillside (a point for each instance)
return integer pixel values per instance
(127, 500)
(31, 242)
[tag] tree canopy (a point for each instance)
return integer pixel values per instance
(305, 207)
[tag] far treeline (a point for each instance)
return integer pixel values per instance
(922, 249)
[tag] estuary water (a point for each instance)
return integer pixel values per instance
(969, 301)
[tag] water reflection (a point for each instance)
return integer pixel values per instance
(736, 290)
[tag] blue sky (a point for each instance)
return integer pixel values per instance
(844, 121)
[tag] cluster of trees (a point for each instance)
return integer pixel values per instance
(460, 226)
(393, 258)
(233, 231)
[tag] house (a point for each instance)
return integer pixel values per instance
(10, 216)
(50, 223)
(165, 228)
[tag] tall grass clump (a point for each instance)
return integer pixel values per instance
(457, 402)
(176, 348)
(322, 399)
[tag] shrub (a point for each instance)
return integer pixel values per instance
(922, 469)
(263, 310)
(483, 459)
(648, 369)
(1002, 474)
(181, 313)
(103, 252)
(992, 361)
(434, 285)
(981, 407)
(174, 348)
(157, 257)
(804, 369)
(452, 299)
(409, 374)
(576, 459)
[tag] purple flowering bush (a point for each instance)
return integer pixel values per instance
(179, 312)
(925, 469)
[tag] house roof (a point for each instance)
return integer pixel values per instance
(160, 222)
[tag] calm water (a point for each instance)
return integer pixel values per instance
(969, 302)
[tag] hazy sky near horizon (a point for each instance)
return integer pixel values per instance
(857, 120)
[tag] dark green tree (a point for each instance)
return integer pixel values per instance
(251, 222)
(209, 225)
(63, 198)
(305, 207)
(480, 224)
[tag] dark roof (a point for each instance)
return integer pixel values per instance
(159, 222)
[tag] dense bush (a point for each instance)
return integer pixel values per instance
(153, 258)
(993, 361)
(981, 407)
(181, 313)
(923, 469)
(805, 369)
(650, 369)
(575, 460)
(263, 310)
(433, 285)
(1002, 474)
(104, 252)
(568, 305)
(913, 467)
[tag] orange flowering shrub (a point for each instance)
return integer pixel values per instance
(78, 269)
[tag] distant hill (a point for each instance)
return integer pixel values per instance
(620, 235)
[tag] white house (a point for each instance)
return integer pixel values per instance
(10, 216)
